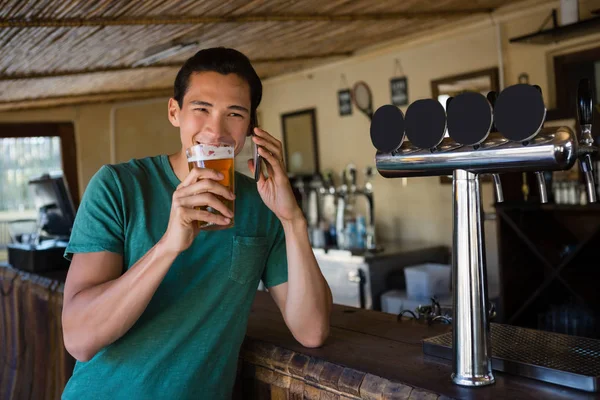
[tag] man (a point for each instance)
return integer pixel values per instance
(154, 308)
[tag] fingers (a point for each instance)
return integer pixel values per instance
(200, 189)
(205, 186)
(272, 161)
(266, 135)
(206, 200)
(261, 176)
(270, 143)
(191, 215)
(200, 173)
(270, 170)
(271, 150)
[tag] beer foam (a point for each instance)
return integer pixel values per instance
(209, 152)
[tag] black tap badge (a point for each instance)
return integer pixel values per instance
(345, 102)
(399, 91)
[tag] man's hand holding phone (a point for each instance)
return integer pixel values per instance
(275, 190)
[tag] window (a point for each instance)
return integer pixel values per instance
(23, 159)
(28, 150)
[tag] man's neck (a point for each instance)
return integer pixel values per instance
(179, 164)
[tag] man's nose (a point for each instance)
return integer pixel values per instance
(215, 129)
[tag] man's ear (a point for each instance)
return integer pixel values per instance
(174, 112)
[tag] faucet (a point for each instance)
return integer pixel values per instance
(346, 210)
(313, 206)
(342, 193)
(301, 194)
(548, 149)
(587, 148)
(367, 192)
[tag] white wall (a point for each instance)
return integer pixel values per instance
(422, 210)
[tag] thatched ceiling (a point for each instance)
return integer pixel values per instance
(56, 52)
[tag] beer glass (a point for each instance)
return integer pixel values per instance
(218, 157)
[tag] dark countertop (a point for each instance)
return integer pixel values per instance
(396, 248)
(374, 343)
(58, 275)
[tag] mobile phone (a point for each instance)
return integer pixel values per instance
(257, 158)
(257, 162)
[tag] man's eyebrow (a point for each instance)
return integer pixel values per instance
(207, 104)
(201, 103)
(239, 108)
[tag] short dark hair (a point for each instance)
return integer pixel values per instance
(224, 61)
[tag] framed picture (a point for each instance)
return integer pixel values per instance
(399, 91)
(299, 130)
(345, 102)
(482, 81)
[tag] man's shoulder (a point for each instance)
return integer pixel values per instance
(136, 166)
(126, 176)
(135, 169)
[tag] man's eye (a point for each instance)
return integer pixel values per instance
(201, 109)
(235, 115)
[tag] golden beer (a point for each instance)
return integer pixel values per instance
(221, 160)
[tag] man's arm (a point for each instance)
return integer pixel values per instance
(305, 299)
(100, 305)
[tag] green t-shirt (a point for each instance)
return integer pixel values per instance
(186, 343)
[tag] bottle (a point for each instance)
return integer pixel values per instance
(572, 192)
(332, 237)
(318, 238)
(556, 189)
(582, 195)
(361, 232)
(350, 237)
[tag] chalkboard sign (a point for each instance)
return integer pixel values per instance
(345, 102)
(399, 91)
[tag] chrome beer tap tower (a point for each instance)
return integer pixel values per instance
(483, 137)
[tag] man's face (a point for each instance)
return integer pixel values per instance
(215, 109)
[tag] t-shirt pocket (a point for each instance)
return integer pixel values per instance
(249, 256)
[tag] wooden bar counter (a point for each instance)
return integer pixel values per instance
(369, 355)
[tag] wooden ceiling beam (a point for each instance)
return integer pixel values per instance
(239, 19)
(83, 98)
(54, 74)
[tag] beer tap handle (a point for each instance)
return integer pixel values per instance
(368, 178)
(492, 96)
(330, 181)
(368, 192)
(352, 172)
(542, 187)
(344, 177)
(586, 142)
